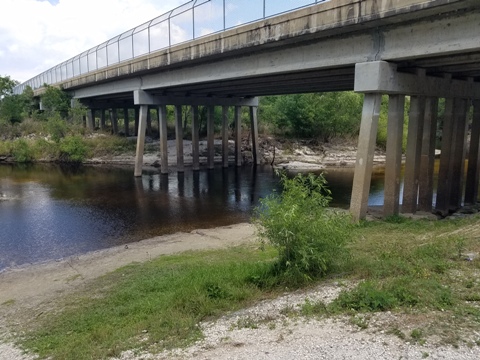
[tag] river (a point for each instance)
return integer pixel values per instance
(49, 211)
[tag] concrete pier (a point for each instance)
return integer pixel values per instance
(427, 161)
(472, 182)
(396, 111)
(179, 138)
(114, 120)
(365, 151)
(225, 136)
(195, 139)
(162, 114)
(413, 154)
(126, 122)
(238, 135)
(210, 137)
(142, 124)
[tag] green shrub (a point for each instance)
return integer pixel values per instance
(73, 149)
(45, 150)
(309, 237)
(57, 128)
(21, 151)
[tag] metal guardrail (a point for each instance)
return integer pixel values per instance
(192, 20)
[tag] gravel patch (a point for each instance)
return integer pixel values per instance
(268, 330)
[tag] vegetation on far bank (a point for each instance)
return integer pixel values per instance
(58, 132)
(426, 270)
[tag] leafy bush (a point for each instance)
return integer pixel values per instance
(21, 151)
(309, 237)
(57, 128)
(73, 149)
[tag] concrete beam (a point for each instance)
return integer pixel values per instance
(141, 97)
(382, 77)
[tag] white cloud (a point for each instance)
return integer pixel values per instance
(36, 35)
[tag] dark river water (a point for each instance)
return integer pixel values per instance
(50, 212)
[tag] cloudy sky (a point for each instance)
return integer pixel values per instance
(38, 34)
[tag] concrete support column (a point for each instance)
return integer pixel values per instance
(393, 164)
(365, 152)
(102, 120)
(427, 161)
(195, 139)
(141, 140)
(254, 132)
(149, 123)
(179, 138)
(238, 135)
(471, 186)
(126, 122)
(225, 136)
(114, 120)
(445, 171)
(137, 120)
(413, 154)
(90, 120)
(162, 128)
(458, 152)
(210, 137)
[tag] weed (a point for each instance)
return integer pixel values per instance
(360, 321)
(313, 309)
(417, 335)
(398, 333)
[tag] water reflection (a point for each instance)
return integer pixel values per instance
(54, 211)
(57, 211)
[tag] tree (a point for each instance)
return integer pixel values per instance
(6, 86)
(54, 100)
(324, 115)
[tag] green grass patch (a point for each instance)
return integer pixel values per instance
(154, 304)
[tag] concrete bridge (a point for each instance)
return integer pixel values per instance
(425, 49)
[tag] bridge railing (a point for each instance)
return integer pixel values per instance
(189, 21)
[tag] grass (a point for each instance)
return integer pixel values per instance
(407, 267)
(155, 304)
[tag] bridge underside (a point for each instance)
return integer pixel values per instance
(427, 51)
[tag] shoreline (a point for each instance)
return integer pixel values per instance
(34, 283)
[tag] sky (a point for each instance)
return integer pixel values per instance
(36, 35)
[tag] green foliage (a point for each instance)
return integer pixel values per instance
(324, 115)
(21, 151)
(310, 238)
(11, 108)
(383, 120)
(6, 86)
(54, 100)
(73, 149)
(57, 128)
